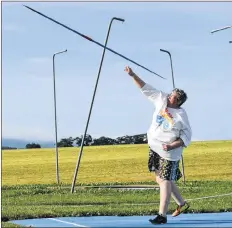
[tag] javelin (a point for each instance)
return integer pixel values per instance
(217, 30)
(88, 38)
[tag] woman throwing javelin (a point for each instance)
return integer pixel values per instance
(168, 134)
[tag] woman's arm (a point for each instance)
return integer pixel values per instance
(185, 136)
(150, 92)
(186, 131)
(138, 81)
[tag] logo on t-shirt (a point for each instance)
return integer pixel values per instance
(165, 119)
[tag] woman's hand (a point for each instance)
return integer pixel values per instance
(167, 147)
(129, 70)
(178, 143)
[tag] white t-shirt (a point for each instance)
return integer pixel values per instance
(168, 124)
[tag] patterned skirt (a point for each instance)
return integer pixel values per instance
(166, 170)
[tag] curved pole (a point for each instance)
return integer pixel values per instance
(54, 93)
(95, 89)
(173, 83)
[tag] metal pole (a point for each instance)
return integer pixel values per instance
(173, 84)
(95, 89)
(54, 93)
(89, 39)
(217, 30)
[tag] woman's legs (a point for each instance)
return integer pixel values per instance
(176, 195)
(168, 189)
(165, 195)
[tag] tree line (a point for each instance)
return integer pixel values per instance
(28, 146)
(90, 141)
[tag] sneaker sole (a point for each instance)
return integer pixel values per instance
(157, 223)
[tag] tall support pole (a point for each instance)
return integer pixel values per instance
(95, 89)
(54, 96)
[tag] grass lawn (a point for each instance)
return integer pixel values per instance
(29, 176)
(203, 161)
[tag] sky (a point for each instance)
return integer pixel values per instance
(201, 63)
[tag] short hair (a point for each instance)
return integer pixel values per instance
(181, 96)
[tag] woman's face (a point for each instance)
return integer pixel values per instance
(172, 99)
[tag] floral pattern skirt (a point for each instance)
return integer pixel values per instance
(166, 170)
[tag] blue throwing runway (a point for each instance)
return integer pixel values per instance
(184, 220)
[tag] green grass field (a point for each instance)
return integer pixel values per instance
(203, 161)
(29, 187)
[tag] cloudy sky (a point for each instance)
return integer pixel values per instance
(202, 67)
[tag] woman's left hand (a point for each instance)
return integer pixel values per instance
(167, 147)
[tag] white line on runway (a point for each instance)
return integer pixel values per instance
(75, 224)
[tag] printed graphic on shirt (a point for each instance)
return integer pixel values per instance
(165, 120)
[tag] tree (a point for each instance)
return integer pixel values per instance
(139, 139)
(8, 148)
(32, 145)
(66, 142)
(104, 141)
(88, 140)
(145, 138)
(125, 140)
(77, 141)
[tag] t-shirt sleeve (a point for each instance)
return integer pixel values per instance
(152, 94)
(186, 131)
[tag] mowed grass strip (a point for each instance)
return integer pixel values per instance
(38, 201)
(106, 164)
